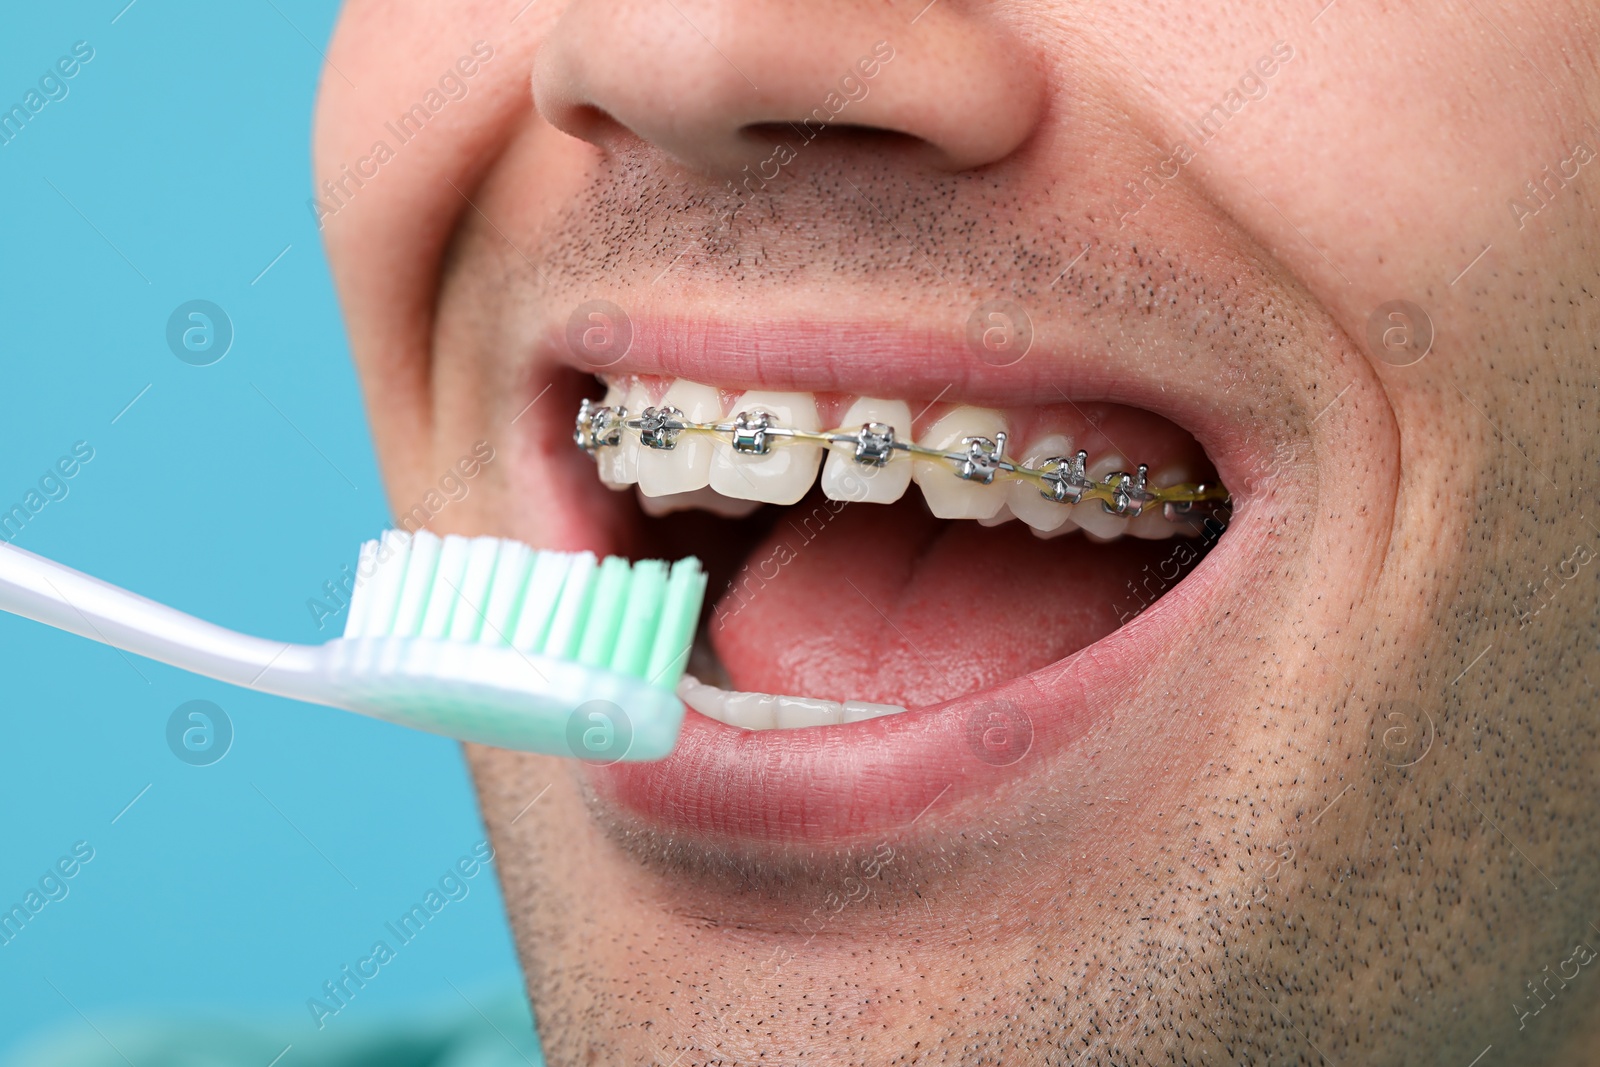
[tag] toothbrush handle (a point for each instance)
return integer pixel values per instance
(47, 592)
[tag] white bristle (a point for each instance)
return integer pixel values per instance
(446, 591)
(421, 563)
(360, 597)
(570, 606)
(377, 592)
(505, 593)
(544, 587)
(482, 553)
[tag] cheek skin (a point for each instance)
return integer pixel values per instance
(383, 59)
(1295, 879)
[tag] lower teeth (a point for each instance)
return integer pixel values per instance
(762, 711)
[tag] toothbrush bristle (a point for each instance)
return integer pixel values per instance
(635, 619)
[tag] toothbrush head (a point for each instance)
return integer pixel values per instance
(486, 639)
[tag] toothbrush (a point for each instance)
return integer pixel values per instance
(481, 639)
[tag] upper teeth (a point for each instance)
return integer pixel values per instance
(768, 445)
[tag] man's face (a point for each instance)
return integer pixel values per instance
(1319, 787)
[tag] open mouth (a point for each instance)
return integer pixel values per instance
(687, 446)
(906, 593)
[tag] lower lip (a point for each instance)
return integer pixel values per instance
(847, 783)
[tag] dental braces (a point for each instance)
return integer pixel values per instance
(1064, 479)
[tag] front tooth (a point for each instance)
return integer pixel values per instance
(845, 479)
(706, 699)
(747, 711)
(1092, 515)
(950, 496)
(795, 713)
(619, 463)
(1060, 531)
(860, 711)
(706, 499)
(750, 711)
(1046, 516)
(785, 472)
(687, 465)
(1151, 524)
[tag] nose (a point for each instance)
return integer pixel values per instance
(703, 80)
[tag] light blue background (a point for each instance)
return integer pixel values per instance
(177, 168)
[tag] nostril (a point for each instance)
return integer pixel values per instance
(964, 98)
(588, 121)
(874, 139)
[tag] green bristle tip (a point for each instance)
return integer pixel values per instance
(608, 602)
(680, 612)
(637, 633)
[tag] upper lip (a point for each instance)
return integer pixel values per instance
(838, 784)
